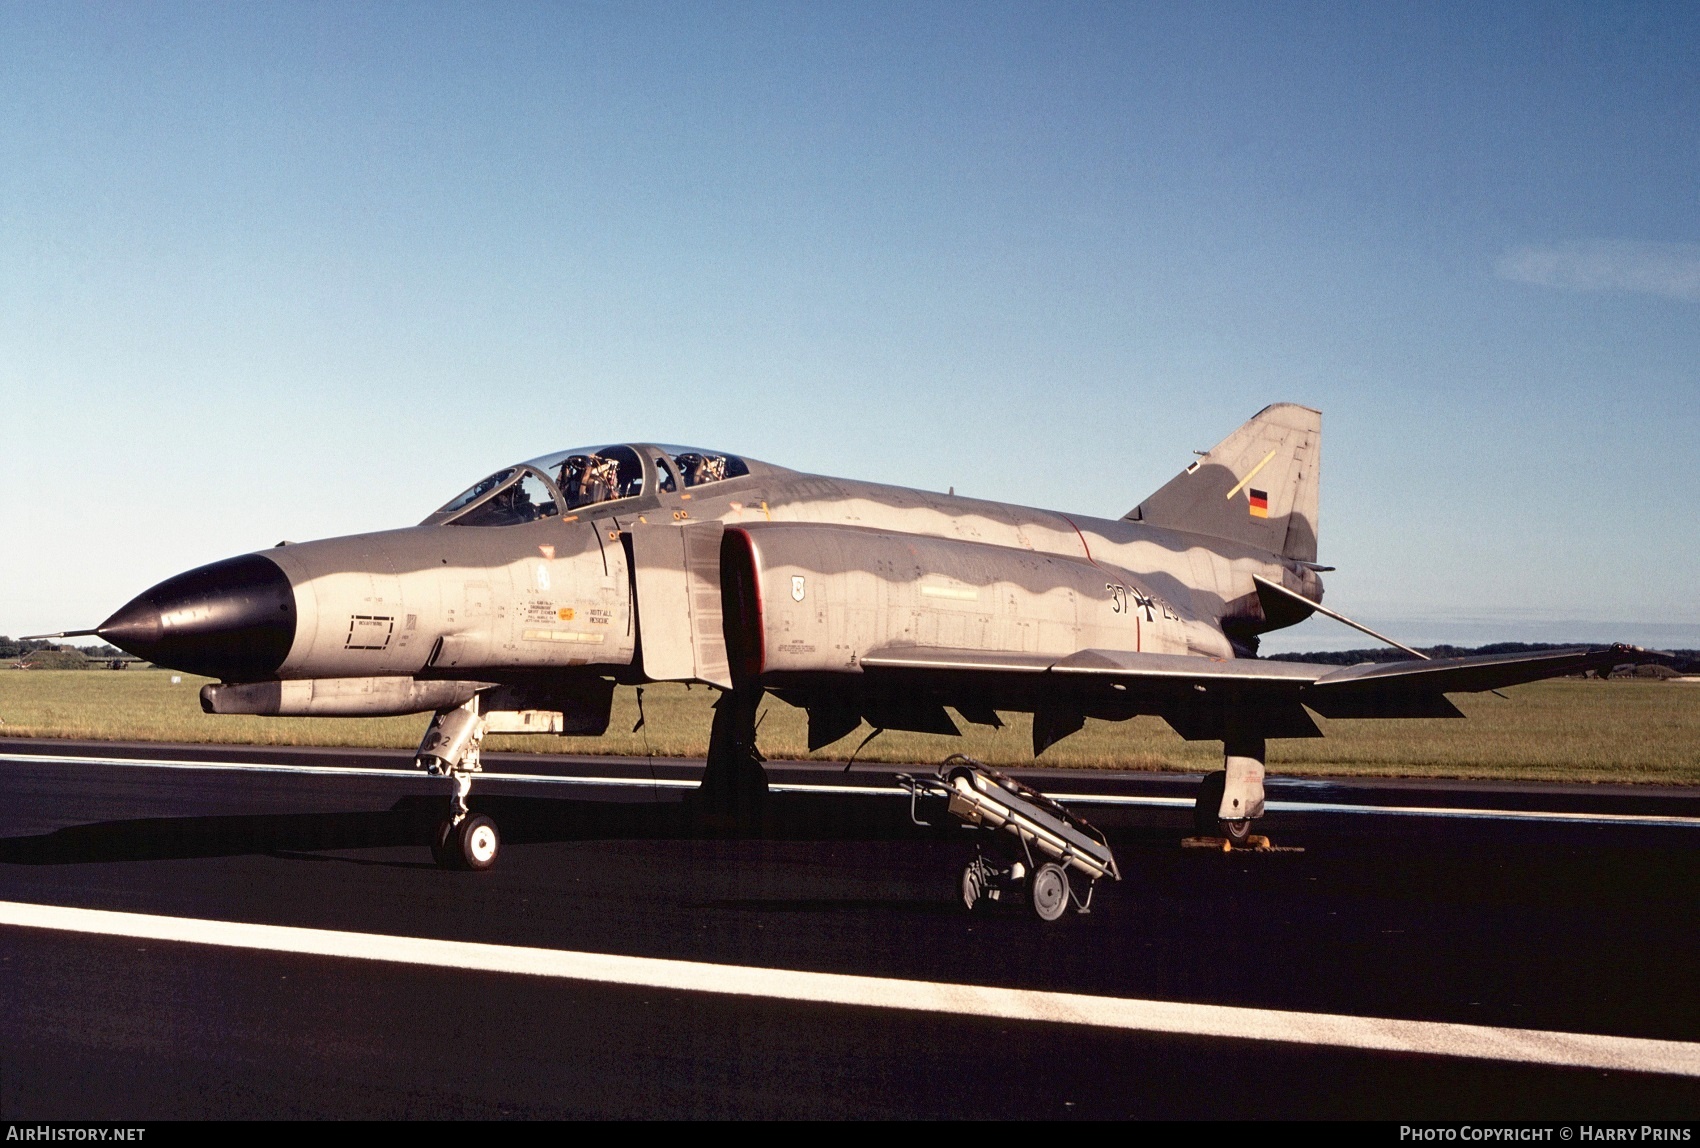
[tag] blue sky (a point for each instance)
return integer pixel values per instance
(294, 271)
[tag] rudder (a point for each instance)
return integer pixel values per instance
(1258, 486)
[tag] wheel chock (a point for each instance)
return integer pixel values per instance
(1256, 843)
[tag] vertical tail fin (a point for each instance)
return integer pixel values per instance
(1258, 486)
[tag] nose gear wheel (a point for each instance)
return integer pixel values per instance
(470, 844)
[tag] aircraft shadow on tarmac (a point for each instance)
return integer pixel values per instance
(410, 821)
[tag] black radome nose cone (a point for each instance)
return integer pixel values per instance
(233, 620)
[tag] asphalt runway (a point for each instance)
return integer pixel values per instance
(1528, 907)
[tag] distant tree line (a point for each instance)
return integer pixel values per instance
(49, 655)
(14, 647)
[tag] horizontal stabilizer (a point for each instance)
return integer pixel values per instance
(1283, 607)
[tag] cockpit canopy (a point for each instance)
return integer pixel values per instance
(570, 480)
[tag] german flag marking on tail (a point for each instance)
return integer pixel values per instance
(1259, 503)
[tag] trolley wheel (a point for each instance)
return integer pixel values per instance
(1047, 891)
(1206, 821)
(973, 886)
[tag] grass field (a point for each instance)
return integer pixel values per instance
(1617, 731)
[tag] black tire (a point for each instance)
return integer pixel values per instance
(1047, 891)
(1206, 821)
(477, 843)
(443, 849)
(1238, 832)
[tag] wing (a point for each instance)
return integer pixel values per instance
(1378, 689)
(1207, 698)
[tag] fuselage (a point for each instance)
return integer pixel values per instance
(840, 567)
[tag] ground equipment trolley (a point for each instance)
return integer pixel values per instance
(1028, 844)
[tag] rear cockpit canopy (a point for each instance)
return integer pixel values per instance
(700, 467)
(571, 480)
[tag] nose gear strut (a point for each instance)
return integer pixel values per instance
(450, 748)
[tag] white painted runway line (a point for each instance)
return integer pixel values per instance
(1428, 1038)
(1650, 819)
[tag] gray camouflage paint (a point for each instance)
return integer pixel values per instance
(868, 601)
(880, 566)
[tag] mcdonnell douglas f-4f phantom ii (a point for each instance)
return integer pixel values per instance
(523, 602)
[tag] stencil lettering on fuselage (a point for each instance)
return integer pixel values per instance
(369, 632)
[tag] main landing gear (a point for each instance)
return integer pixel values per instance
(1230, 799)
(462, 839)
(733, 794)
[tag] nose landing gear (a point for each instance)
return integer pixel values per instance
(462, 840)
